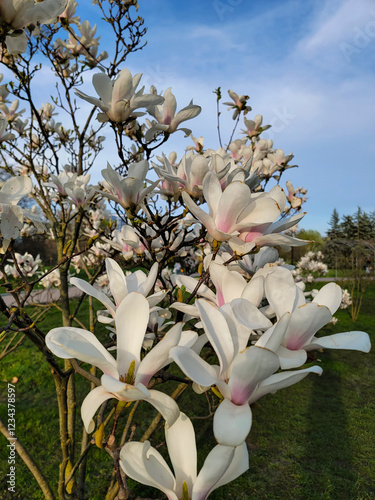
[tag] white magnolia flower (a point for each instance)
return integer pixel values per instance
(128, 191)
(119, 98)
(120, 286)
(305, 319)
(125, 378)
(145, 464)
(18, 14)
(243, 375)
(12, 215)
(235, 209)
(168, 120)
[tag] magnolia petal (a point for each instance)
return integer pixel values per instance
(91, 403)
(131, 319)
(291, 359)
(69, 342)
(190, 284)
(212, 192)
(238, 465)
(356, 341)
(304, 323)
(180, 438)
(11, 221)
(186, 308)
(249, 315)
(272, 338)
(254, 290)
(235, 197)
(193, 366)
(329, 295)
(156, 358)
(248, 369)
(117, 281)
(280, 290)
(103, 86)
(15, 188)
(164, 405)
(97, 294)
(218, 333)
(282, 380)
(144, 464)
(150, 281)
(214, 468)
(232, 423)
(204, 218)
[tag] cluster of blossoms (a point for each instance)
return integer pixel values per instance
(198, 270)
(310, 266)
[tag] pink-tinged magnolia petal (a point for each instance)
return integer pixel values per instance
(282, 380)
(68, 342)
(180, 438)
(218, 333)
(238, 465)
(204, 218)
(280, 291)
(97, 294)
(249, 315)
(144, 464)
(234, 200)
(329, 295)
(304, 323)
(356, 341)
(214, 468)
(260, 211)
(193, 366)
(291, 359)
(212, 192)
(164, 405)
(91, 403)
(254, 290)
(232, 423)
(131, 319)
(117, 281)
(249, 368)
(159, 354)
(169, 107)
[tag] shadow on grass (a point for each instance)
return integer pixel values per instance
(328, 471)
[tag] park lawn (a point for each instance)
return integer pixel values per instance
(311, 441)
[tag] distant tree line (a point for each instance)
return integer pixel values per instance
(350, 240)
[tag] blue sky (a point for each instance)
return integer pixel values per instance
(308, 68)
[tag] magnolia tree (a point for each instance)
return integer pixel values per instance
(180, 255)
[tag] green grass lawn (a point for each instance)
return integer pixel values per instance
(312, 441)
